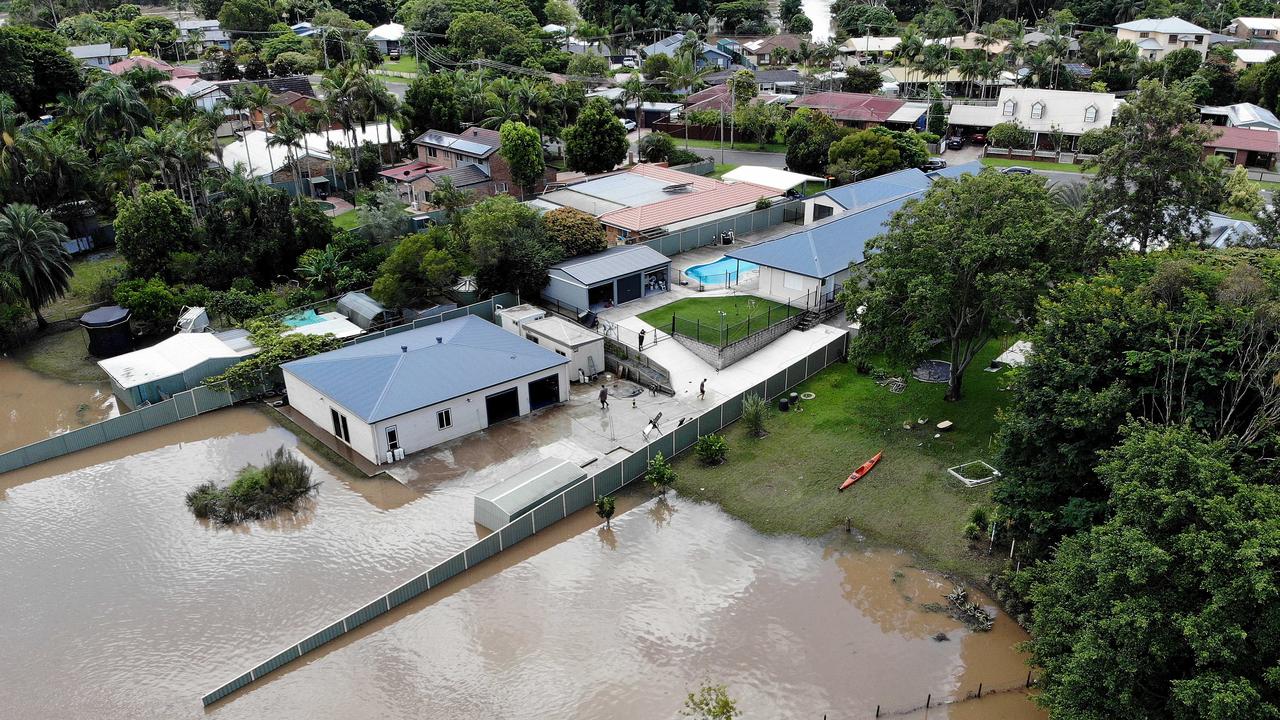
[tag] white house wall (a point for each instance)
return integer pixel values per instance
(784, 286)
(306, 400)
(579, 359)
(417, 430)
(809, 204)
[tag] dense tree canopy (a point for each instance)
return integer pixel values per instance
(597, 142)
(522, 149)
(36, 68)
(1168, 609)
(962, 264)
(809, 135)
(150, 226)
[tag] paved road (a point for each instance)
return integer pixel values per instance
(731, 157)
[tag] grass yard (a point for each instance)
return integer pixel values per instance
(1036, 165)
(63, 355)
(700, 318)
(1268, 186)
(786, 482)
(348, 220)
(721, 169)
(405, 64)
(87, 274)
(745, 146)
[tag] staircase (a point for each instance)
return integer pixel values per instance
(815, 316)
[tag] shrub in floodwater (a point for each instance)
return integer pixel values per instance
(711, 449)
(755, 410)
(660, 474)
(605, 505)
(256, 493)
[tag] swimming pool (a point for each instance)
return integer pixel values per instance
(302, 319)
(722, 271)
(324, 205)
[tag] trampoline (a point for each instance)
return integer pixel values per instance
(933, 371)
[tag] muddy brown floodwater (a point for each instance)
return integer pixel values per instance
(120, 605)
(35, 406)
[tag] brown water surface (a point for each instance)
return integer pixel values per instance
(35, 406)
(119, 604)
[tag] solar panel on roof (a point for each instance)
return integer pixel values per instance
(469, 147)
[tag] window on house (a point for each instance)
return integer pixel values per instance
(500, 187)
(531, 338)
(1091, 114)
(1009, 107)
(1199, 39)
(393, 438)
(340, 429)
(444, 419)
(431, 152)
(561, 353)
(1144, 35)
(1037, 110)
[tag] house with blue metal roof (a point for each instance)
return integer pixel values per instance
(405, 392)
(867, 193)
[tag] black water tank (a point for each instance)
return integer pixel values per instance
(109, 333)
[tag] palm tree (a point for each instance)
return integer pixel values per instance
(289, 132)
(971, 68)
(1057, 46)
(635, 90)
(626, 20)
(321, 267)
(238, 100)
(910, 47)
(450, 199)
(111, 107)
(32, 250)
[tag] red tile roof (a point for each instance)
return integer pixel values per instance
(855, 107)
(717, 97)
(124, 66)
(1233, 138)
(705, 197)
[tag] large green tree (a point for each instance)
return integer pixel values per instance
(431, 103)
(150, 226)
(36, 68)
(578, 232)
(809, 135)
(1184, 338)
(1169, 608)
(32, 252)
(597, 142)
(522, 149)
(508, 246)
(863, 155)
(482, 34)
(419, 269)
(247, 16)
(1152, 189)
(962, 264)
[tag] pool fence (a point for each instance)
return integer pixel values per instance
(578, 497)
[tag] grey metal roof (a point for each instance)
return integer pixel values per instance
(874, 191)
(478, 142)
(828, 247)
(463, 175)
(970, 168)
(361, 305)
(612, 263)
(400, 373)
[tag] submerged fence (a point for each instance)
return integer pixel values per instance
(578, 497)
(181, 406)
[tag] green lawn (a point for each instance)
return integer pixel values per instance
(700, 318)
(1036, 165)
(62, 355)
(1269, 186)
(786, 482)
(749, 146)
(86, 276)
(348, 220)
(405, 64)
(721, 169)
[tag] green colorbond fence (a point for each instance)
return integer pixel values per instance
(179, 407)
(578, 497)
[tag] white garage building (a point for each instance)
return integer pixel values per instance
(409, 391)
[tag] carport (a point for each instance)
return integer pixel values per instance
(617, 275)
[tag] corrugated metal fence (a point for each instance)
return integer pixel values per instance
(179, 407)
(580, 496)
(486, 309)
(709, 233)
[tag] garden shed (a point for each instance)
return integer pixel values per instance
(584, 348)
(617, 275)
(498, 505)
(171, 366)
(364, 311)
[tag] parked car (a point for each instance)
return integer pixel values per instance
(629, 125)
(955, 143)
(1016, 170)
(978, 138)
(933, 164)
(629, 61)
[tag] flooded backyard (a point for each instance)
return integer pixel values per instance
(123, 605)
(35, 406)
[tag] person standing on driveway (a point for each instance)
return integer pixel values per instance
(604, 398)
(702, 389)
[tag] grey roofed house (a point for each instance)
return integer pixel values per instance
(473, 142)
(763, 77)
(296, 83)
(708, 54)
(400, 373)
(875, 191)
(616, 261)
(461, 176)
(1244, 115)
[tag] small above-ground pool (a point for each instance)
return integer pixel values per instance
(302, 319)
(325, 206)
(722, 271)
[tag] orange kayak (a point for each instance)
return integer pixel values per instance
(862, 470)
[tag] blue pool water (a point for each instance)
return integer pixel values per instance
(722, 271)
(306, 317)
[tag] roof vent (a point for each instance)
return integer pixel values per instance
(404, 348)
(439, 340)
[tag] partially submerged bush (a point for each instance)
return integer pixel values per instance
(256, 493)
(711, 449)
(660, 474)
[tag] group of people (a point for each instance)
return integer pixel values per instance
(604, 393)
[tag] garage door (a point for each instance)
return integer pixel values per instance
(502, 406)
(544, 391)
(628, 288)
